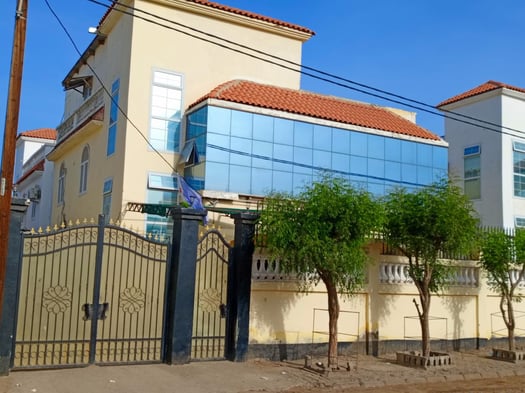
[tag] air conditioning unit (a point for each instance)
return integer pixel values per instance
(35, 193)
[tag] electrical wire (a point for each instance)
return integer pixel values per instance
(348, 82)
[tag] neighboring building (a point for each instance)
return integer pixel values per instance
(487, 155)
(33, 175)
(240, 139)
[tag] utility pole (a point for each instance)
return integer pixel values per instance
(10, 131)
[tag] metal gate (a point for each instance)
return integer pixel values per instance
(65, 274)
(210, 319)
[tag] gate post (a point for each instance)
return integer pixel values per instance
(242, 284)
(181, 284)
(10, 298)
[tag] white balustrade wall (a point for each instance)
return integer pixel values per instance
(397, 273)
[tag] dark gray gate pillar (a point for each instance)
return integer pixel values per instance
(181, 284)
(10, 303)
(242, 270)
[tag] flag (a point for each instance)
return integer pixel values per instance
(192, 197)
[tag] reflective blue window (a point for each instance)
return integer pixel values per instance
(283, 157)
(283, 131)
(358, 165)
(264, 150)
(322, 160)
(242, 124)
(340, 141)
(261, 181)
(241, 153)
(218, 148)
(322, 138)
(392, 171)
(303, 156)
(392, 149)
(300, 181)
(341, 162)
(409, 173)
(440, 157)
(376, 146)
(424, 154)
(303, 134)
(408, 152)
(217, 176)
(358, 144)
(282, 181)
(424, 175)
(240, 179)
(219, 120)
(376, 168)
(377, 189)
(263, 128)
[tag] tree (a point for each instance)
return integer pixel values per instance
(425, 224)
(503, 258)
(320, 235)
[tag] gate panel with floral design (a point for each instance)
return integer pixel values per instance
(90, 293)
(210, 317)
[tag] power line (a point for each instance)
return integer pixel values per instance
(348, 82)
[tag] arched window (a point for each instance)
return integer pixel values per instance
(61, 183)
(84, 165)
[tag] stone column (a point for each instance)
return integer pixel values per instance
(181, 285)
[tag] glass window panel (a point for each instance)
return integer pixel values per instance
(424, 175)
(113, 115)
(519, 163)
(160, 93)
(264, 150)
(471, 166)
(241, 124)
(240, 179)
(376, 147)
(409, 173)
(283, 156)
(408, 152)
(261, 181)
(424, 154)
(440, 157)
(112, 136)
(341, 162)
(358, 165)
(340, 140)
(322, 160)
(358, 144)
(300, 181)
(322, 138)
(472, 188)
(241, 151)
(302, 156)
(219, 120)
(282, 181)
(392, 171)
(283, 131)
(376, 189)
(214, 150)
(303, 134)
(217, 176)
(392, 149)
(263, 128)
(376, 168)
(438, 174)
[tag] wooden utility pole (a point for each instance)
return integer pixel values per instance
(10, 131)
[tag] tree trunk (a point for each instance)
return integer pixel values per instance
(508, 318)
(424, 297)
(333, 315)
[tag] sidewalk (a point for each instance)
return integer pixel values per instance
(252, 376)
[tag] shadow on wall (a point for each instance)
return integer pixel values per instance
(458, 304)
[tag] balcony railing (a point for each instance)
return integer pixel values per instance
(83, 113)
(265, 269)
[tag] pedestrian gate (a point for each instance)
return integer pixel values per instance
(210, 319)
(90, 293)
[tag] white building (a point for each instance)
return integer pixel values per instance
(486, 136)
(33, 175)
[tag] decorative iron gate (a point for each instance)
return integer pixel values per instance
(210, 319)
(90, 294)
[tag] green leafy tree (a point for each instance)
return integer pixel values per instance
(320, 235)
(425, 224)
(503, 259)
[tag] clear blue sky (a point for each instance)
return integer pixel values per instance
(424, 50)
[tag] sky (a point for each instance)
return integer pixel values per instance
(423, 50)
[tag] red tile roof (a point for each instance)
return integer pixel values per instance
(487, 86)
(237, 11)
(42, 133)
(316, 105)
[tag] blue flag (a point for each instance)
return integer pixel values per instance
(192, 197)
